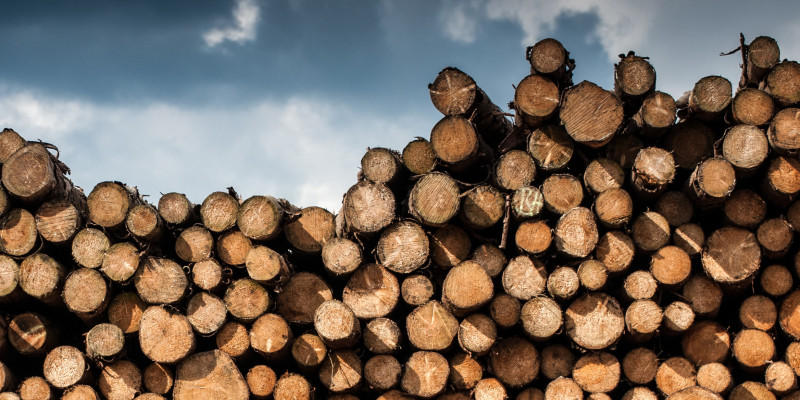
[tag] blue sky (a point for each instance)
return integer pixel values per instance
(282, 97)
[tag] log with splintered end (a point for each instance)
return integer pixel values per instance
(597, 372)
(527, 202)
(85, 293)
(109, 202)
(431, 327)
(483, 207)
(594, 321)
(176, 209)
(745, 147)
(634, 76)
(206, 312)
(690, 141)
(640, 365)
(711, 182)
(548, 57)
(265, 265)
(89, 247)
(551, 147)
(418, 156)
(144, 222)
(514, 170)
(381, 165)
(30, 175)
(18, 232)
(35, 388)
(218, 211)
(368, 207)
(425, 374)
(10, 142)
(675, 374)
(371, 292)
(336, 324)
(301, 296)
(42, 277)
(65, 366)
(209, 375)
(382, 372)
(514, 361)
(403, 247)
(291, 386)
(160, 281)
(678, 317)
(271, 337)
(784, 131)
(603, 174)
(732, 255)
(311, 230)
(165, 336)
(120, 261)
(104, 341)
(308, 351)
(591, 115)
(533, 237)
(120, 380)
(541, 318)
(246, 299)
(536, 99)
(341, 371)
(561, 193)
(455, 140)
(342, 256)
(710, 97)
(58, 220)
(781, 83)
(614, 207)
(416, 290)
(653, 169)
(752, 106)
(477, 333)
(576, 232)
(656, 115)
(125, 311)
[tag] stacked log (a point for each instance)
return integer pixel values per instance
(603, 244)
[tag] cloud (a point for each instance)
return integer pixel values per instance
(458, 20)
(304, 149)
(246, 14)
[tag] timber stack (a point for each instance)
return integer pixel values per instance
(600, 244)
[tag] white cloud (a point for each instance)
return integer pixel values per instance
(303, 149)
(459, 21)
(246, 14)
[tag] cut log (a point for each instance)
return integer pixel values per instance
(634, 77)
(431, 327)
(694, 393)
(489, 389)
(58, 220)
(455, 141)
(533, 237)
(563, 283)
(89, 247)
(246, 299)
(482, 207)
(615, 249)
(209, 375)
(165, 336)
(176, 209)
(711, 182)
(557, 360)
(527, 202)
(514, 170)
(42, 277)
(780, 378)
(371, 292)
(591, 115)
(434, 199)
(104, 341)
(261, 381)
(675, 207)
(31, 175)
(336, 324)
(31, 334)
(650, 231)
(775, 236)
(120, 380)
(308, 351)
(639, 285)
(640, 365)
(690, 141)
(309, 233)
(491, 258)
(782, 181)
(109, 202)
(465, 371)
(704, 295)
(382, 372)
(85, 293)
(689, 237)
(382, 336)
(674, 375)
(563, 388)
(301, 296)
(418, 156)
(35, 388)
(120, 262)
(592, 274)
(715, 377)
(670, 266)
(233, 339)
(449, 245)
(541, 318)
(614, 207)
(710, 97)
(706, 342)
(380, 165)
(536, 99)
(751, 106)
(623, 149)
(656, 115)
(206, 312)
(425, 374)
(776, 280)
(477, 333)
(10, 142)
(342, 256)
(505, 310)
(551, 147)
(603, 174)
(597, 372)
(86, 392)
(762, 54)
(291, 386)
(144, 223)
(368, 207)
(732, 255)
(643, 319)
(341, 371)
(678, 317)
(125, 311)
(784, 131)
(232, 247)
(416, 290)
(758, 312)
(576, 232)
(218, 211)
(548, 57)
(271, 337)
(745, 208)
(594, 321)
(514, 361)
(781, 83)
(160, 281)
(562, 192)
(653, 169)
(753, 349)
(265, 265)
(18, 232)
(524, 278)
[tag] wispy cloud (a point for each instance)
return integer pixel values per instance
(246, 15)
(458, 20)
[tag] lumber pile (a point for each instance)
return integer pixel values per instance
(604, 245)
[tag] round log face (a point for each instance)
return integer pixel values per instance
(594, 321)
(209, 375)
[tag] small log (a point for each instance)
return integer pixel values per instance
(655, 116)
(416, 290)
(218, 211)
(301, 296)
(89, 247)
(194, 244)
(431, 327)
(342, 256)
(675, 207)
(336, 324)
(780, 83)
(548, 57)
(209, 375)
(670, 266)
(592, 274)
(18, 232)
(557, 360)
(10, 142)
(120, 262)
(482, 207)
(640, 365)
(291, 386)
(533, 237)
(775, 236)
(165, 336)
(614, 207)
(85, 293)
(576, 232)
(591, 115)
(551, 147)
(674, 375)
(491, 258)
(265, 265)
(597, 372)
(125, 311)
(562, 192)
(58, 220)
(309, 233)
(434, 199)
(465, 371)
(418, 156)
(514, 170)
(109, 202)
(246, 299)
(690, 142)
(745, 208)
(144, 223)
(704, 295)
(308, 351)
(158, 378)
(425, 374)
(643, 319)
(689, 237)
(603, 174)
(784, 131)
(505, 310)
(711, 182)
(160, 281)
(541, 318)
(489, 389)
(371, 292)
(639, 285)
(650, 231)
(563, 283)
(762, 54)
(706, 342)
(710, 97)
(563, 388)
(751, 106)
(261, 381)
(232, 247)
(380, 165)
(536, 99)
(653, 169)
(615, 249)
(35, 388)
(527, 202)
(176, 209)
(382, 336)
(104, 341)
(233, 339)
(206, 312)
(65, 366)
(776, 280)
(33, 175)
(731, 256)
(42, 277)
(86, 392)
(594, 321)
(449, 245)
(382, 372)
(753, 349)
(514, 361)
(758, 312)
(715, 377)
(678, 317)
(120, 380)
(271, 337)
(524, 278)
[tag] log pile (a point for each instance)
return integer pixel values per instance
(605, 244)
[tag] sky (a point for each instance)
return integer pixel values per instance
(283, 97)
